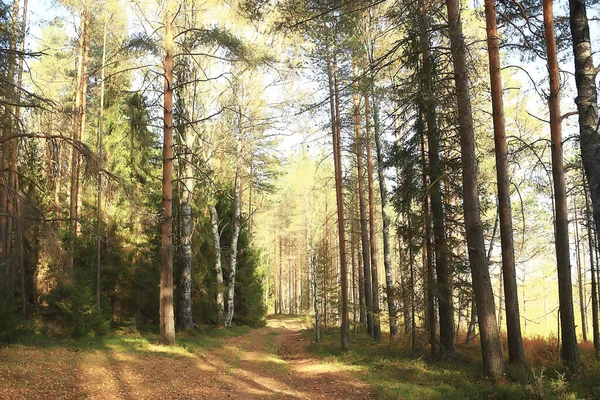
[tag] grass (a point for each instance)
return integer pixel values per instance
(143, 341)
(395, 372)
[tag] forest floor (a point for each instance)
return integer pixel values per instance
(277, 361)
(269, 362)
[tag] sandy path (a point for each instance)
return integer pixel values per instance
(271, 362)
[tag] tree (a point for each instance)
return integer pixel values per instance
(372, 231)
(79, 109)
(337, 162)
(570, 353)
(586, 100)
(493, 363)
(511, 298)
(436, 172)
(167, 317)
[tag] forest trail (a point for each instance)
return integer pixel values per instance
(270, 362)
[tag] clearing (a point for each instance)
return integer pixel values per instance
(272, 362)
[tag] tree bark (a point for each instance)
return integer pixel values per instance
(364, 234)
(100, 156)
(387, 257)
(214, 219)
(436, 173)
(372, 231)
(79, 126)
(337, 161)
(511, 297)
(493, 362)
(167, 317)
(586, 101)
(427, 258)
(237, 194)
(582, 308)
(570, 352)
(595, 327)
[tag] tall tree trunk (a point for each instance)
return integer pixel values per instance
(312, 261)
(364, 234)
(100, 156)
(387, 257)
(214, 219)
(436, 173)
(237, 197)
(595, 327)
(167, 316)
(587, 101)
(511, 297)
(493, 362)
(337, 161)
(79, 126)
(372, 235)
(427, 258)
(14, 177)
(8, 169)
(184, 310)
(570, 353)
(582, 308)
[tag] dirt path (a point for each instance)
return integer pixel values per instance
(271, 362)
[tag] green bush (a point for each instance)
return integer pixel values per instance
(72, 309)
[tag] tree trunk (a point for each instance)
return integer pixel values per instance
(595, 327)
(185, 320)
(364, 234)
(436, 173)
(511, 297)
(427, 259)
(79, 126)
(337, 158)
(493, 362)
(237, 194)
(387, 257)
(312, 261)
(587, 101)
(167, 317)
(8, 169)
(372, 236)
(582, 308)
(570, 353)
(100, 156)
(214, 219)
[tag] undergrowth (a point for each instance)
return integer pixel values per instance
(395, 372)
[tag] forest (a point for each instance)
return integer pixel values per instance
(299, 199)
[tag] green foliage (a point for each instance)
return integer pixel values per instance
(71, 309)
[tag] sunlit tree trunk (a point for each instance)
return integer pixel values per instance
(364, 234)
(167, 316)
(582, 308)
(237, 224)
(387, 257)
(312, 262)
(491, 349)
(570, 353)
(372, 236)
(214, 219)
(513, 319)
(337, 158)
(184, 309)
